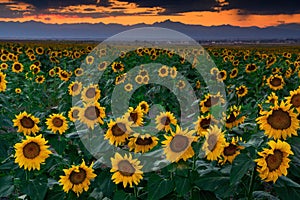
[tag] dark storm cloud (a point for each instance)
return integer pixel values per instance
(265, 6)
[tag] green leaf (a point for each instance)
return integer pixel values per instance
(284, 181)
(6, 186)
(263, 195)
(159, 187)
(56, 193)
(241, 164)
(203, 195)
(105, 184)
(35, 188)
(183, 185)
(121, 195)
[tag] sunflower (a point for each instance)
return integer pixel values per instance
(128, 87)
(231, 150)
(139, 79)
(57, 122)
(78, 72)
(135, 116)
(251, 68)
(180, 84)
(146, 79)
(173, 72)
(210, 101)
(274, 161)
(91, 114)
(117, 66)
(144, 106)
(275, 82)
(120, 79)
(90, 93)
(142, 143)
(279, 122)
(198, 84)
(294, 99)
(178, 145)
(75, 88)
(18, 90)
(164, 120)
(64, 75)
(102, 66)
(234, 73)
(39, 50)
(2, 82)
(214, 143)
(40, 79)
(126, 170)
(73, 114)
(52, 72)
(241, 91)
(118, 131)
(17, 67)
(233, 119)
(221, 76)
(163, 71)
(214, 71)
(203, 123)
(31, 152)
(4, 58)
(3, 66)
(77, 178)
(272, 98)
(89, 60)
(26, 123)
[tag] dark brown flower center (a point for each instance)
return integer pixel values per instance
(204, 123)
(165, 120)
(230, 150)
(163, 71)
(231, 118)
(133, 116)
(233, 73)
(92, 112)
(64, 75)
(75, 87)
(78, 177)
(90, 93)
(211, 101)
(179, 143)
(241, 90)
(118, 129)
(212, 142)
(17, 66)
(275, 82)
(31, 150)
(27, 122)
(75, 114)
(296, 100)
(118, 66)
(279, 120)
(57, 122)
(143, 107)
(125, 168)
(251, 67)
(274, 161)
(145, 141)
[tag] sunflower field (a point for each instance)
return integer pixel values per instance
(60, 137)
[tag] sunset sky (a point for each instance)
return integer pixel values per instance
(244, 13)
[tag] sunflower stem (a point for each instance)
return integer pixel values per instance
(135, 190)
(251, 184)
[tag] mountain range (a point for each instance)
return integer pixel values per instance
(100, 31)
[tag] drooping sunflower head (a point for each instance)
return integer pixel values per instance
(173, 72)
(91, 114)
(210, 101)
(164, 120)
(57, 123)
(272, 99)
(294, 99)
(32, 152)
(279, 122)
(135, 116)
(214, 143)
(117, 66)
(26, 123)
(126, 170)
(178, 145)
(75, 88)
(90, 93)
(17, 67)
(144, 106)
(233, 118)
(77, 178)
(142, 143)
(231, 150)
(234, 73)
(2, 82)
(64, 75)
(120, 79)
(275, 82)
(118, 131)
(203, 123)
(241, 91)
(73, 114)
(274, 162)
